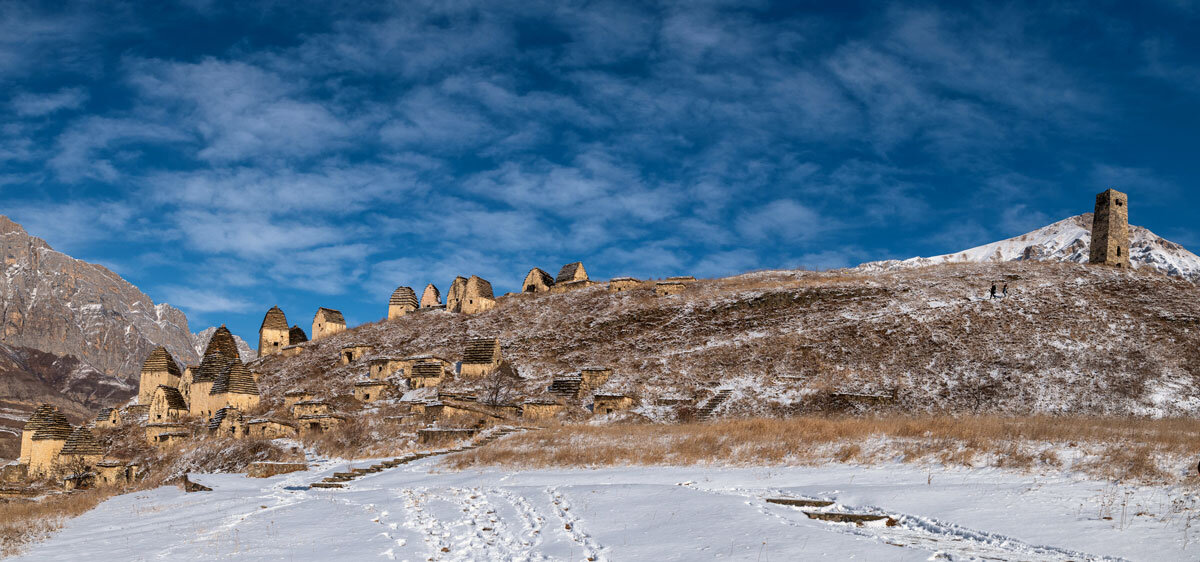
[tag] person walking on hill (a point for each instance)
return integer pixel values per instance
(1005, 291)
(993, 290)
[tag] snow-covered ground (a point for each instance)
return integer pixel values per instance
(417, 512)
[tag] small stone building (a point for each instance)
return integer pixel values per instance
(354, 352)
(682, 279)
(470, 296)
(403, 301)
(296, 336)
(115, 473)
(165, 436)
(273, 333)
(537, 281)
(1110, 230)
(381, 368)
(570, 273)
(431, 298)
(235, 387)
(310, 408)
(327, 322)
(536, 409)
(167, 404)
(665, 288)
(412, 360)
(291, 397)
(371, 391)
(107, 418)
(291, 350)
(47, 431)
(481, 357)
(38, 418)
(270, 429)
(80, 453)
(609, 403)
(159, 369)
(229, 422)
(316, 424)
(622, 284)
(427, 374)
(594, 377)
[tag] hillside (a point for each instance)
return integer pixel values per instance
(1069, 339)
(1067, 240)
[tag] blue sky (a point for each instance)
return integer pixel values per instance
(228, 159)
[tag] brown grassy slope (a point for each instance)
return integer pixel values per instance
(1125, 449)
(1070, 339)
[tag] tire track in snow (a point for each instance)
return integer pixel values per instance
(592, 550)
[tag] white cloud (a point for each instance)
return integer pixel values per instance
(204, 301)
(782, 221)
(29, 104)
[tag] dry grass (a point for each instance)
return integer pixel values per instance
(23, 522)
(1123, 449)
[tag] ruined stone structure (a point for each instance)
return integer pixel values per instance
(167, 404)
(310, 408)
(426, 374)
(609, 403)
(371, 391)
(115, 473)
(270, 429)
(481, 357)
(403, 301)
(159, 369)
(296, 336)
(381, 368)
(431, 298)
(107, 418)
(47, 442)
(327, 322)
(682, 278)
(37, 419)
(354, 352)
(470, 296)
(570, 273)
(166, 435)
(220, 380)
(273, 334)
(291, 397)
(540, 409)
(291, 351)
(665, 288)
(1110, 230)
(80, 453)
(537, 281)
(621, 284)
(594, 377)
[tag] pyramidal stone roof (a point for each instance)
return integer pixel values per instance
(403, 296)
(536, 275)
(38, 418)
(222, 341)
(81, 442)
(274, 320)
(105, 414)
(235, 379)
(571, 272)
(331, 315)
(160, 360)
(211, 366)
(482, 350)
(174, 397)
(431, 296)
(428, 370)
(296, 335)
(54, 426)
(219, 417)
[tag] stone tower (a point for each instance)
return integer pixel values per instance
(273, 333)
(403, 301)
(159, 368)
(1110, 229)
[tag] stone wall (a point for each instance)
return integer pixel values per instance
(269, 469)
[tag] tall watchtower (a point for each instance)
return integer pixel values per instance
(1110, 229)
(273, 333)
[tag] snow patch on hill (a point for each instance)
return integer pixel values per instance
(1067, 240)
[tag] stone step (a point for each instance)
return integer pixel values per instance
(337, 479)
(856, 518)
(800, 502)
(325, 485)
(345, 474)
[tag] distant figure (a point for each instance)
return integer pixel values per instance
(1005, 291)
(993, 290)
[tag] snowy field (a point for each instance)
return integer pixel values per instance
(416, 512)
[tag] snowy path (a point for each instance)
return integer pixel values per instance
(414, 513)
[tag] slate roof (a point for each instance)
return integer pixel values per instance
(160, 360)
(332, 316)
(215, 421)
(222, 341)
(403, 296)
(211, 366)
(482, 350)
(104, 414)
(569, 271)
(296, 335)
(174, 397)
(235, 379)
(274, 320)
(371, 383)
(53, 426)
(426, 370)
(81, 442)
(39, 417)
(479, 287)
(536, 274)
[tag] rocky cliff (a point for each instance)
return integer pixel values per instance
(68, 307)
